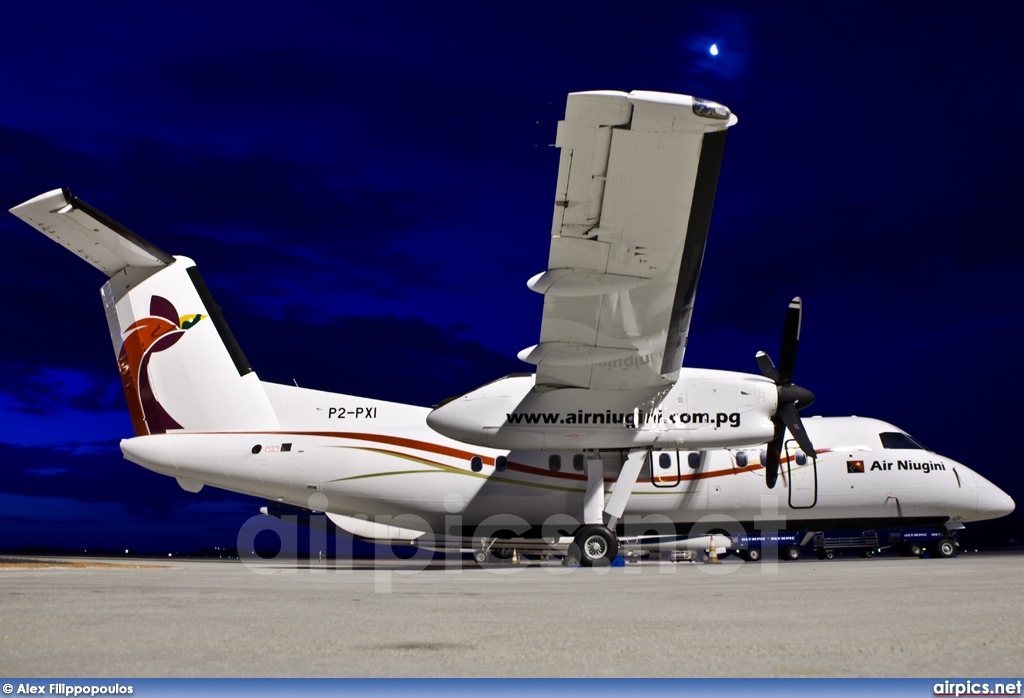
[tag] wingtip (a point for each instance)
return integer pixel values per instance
(63, 195)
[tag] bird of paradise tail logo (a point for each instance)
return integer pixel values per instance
(141, 340)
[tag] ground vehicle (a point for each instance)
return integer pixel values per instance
(751, 546)
(913, 542)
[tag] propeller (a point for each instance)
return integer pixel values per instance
(792, 398)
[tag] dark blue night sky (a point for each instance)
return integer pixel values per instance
(367, 189)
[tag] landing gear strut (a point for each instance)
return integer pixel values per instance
(489, 552)
(594, 546)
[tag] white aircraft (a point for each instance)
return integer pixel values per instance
(609, 441)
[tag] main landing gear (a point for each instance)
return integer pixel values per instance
(594, 545)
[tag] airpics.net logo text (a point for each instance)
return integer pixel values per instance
(977, 688)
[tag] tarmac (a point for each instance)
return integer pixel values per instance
(881, 617)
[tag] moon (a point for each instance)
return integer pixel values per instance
(713, 50)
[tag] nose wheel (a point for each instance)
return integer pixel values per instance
(594, 546)
(945, 548)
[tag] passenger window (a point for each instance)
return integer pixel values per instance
(665, 461)
(741, 459)
(693, 460)
(578, 462)
(801, 459)
(500, 463)
(477, 464)
(555, 462)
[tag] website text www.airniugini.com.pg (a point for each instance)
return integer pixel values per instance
(632, 420)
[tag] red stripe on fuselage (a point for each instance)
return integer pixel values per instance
(487, 460)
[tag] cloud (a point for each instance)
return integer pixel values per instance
(45, 390)
(65, 522)
(56, 423)
(388, 358)
(95, 476)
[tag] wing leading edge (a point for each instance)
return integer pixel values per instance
(636, 186)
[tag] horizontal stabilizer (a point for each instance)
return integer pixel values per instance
(93, 236)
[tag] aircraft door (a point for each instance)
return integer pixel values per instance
(665, 469)
(802, 470)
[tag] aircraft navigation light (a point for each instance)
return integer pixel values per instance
(713, 50)
(709, 109)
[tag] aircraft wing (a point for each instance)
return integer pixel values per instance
(636, 185)
(98, 239)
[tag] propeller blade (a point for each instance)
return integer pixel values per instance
(774, 448)
(764, 362)
(791, 419)
(771, 467)
(790, 340)
(790, 397)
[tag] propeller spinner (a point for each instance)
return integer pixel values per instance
(791, 397)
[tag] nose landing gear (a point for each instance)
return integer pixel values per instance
(945, 547)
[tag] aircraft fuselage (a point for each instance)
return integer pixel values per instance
(411, 478)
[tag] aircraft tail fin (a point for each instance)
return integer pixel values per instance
(181, 367)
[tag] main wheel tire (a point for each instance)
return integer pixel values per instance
(594, 546)
(830, 554)
(481, 556)
(945, 548)
(791, 552)
(752, 555)
(820, 554)
(915, 550)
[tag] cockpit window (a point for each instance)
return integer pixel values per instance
(897, 439)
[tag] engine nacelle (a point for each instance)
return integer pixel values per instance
(703, 409)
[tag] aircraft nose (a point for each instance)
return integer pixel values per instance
(994, 503)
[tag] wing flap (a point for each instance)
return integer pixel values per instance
(95, 237)
(636, 184)
(585, 140)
